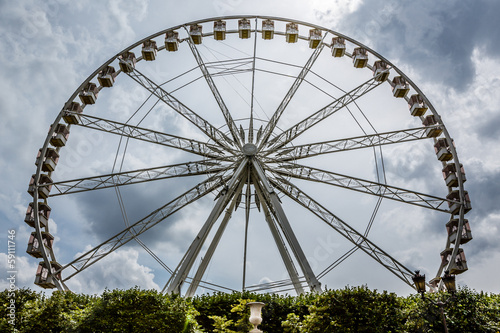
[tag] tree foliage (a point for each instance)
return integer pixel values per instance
(352, 309)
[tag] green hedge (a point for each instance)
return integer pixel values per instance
(353, 309)
(132, 310)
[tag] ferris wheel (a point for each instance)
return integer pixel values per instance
(259, 132)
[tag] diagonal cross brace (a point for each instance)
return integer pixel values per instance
(211, 131)
(148, 135)
(275, 204)
(134, 230)
(208, 77)
(285, 137)
(271, 125)
(345, 230)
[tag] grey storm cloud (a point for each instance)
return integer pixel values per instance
(437, 38)
(489, 129)
(483, 186)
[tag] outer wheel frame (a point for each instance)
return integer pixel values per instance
(250, 164)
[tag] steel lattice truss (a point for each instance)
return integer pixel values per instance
(366, 141)
(290, 134)
(345, 230)
(144, 224)
(138, 176)
(407, 196)
(250, 162)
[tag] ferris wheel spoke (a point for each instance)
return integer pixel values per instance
(271, 220)
(148, 135)
(271, 125)
(274, 204)
(139, 227)
(207, 128)
(285, 137)
(359, 142)
(360, 185)
(215, 241)
(225, 196)
(136, 176)
(208, 77)
(363, 243)
(250, 124)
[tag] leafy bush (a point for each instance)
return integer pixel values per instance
(353, 309)
(275, 311)
(136, 310)
(467, 311)
(26, 301)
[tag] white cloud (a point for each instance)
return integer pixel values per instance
(24, 271)
(120, 269)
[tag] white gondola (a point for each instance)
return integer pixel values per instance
(417, 105)
(432, 131)
(360, 57)
(380, 71)
(49, 161)
(195, 31)
(149, 50)
(60, 136)
(292, 32)
(220, 30)
(452, 229)
(127, 62)
(43, 214)
(455, 202)
(35, 248)
(338, 47)
(314, 38)
(459, 263)
(267, 29)
(107, 76)
(400, 87)
(450, 174)
(172, 41)
(442, 149)
(74, 110)
(43, 191)
(43, 278)
(89, 93)
(244, 28)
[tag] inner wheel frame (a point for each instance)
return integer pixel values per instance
(208, 122)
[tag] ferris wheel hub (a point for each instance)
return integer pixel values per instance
(249, 149)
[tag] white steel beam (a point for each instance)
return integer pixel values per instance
(211, 131)
(274, 201)
(271, 125)
(278, 239)
(144, 134)
(222, 105)
(345, 230)
(135, 177)
(359, 142)
(361, 185)
(213, 244)
(185, 266)
(134, 230)
(285, 137)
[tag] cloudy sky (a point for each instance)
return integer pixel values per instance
(448, 48)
